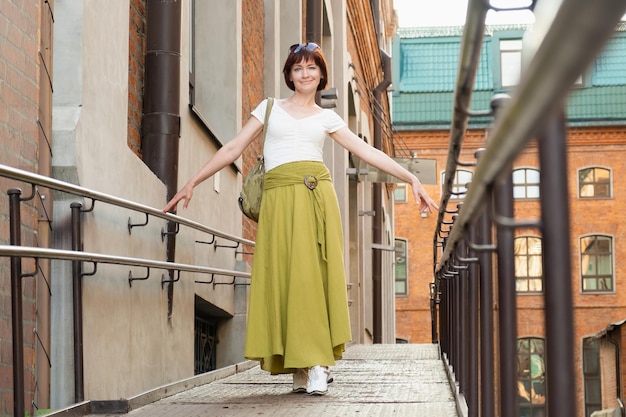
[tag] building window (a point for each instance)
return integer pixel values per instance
(216, 67)
(205, 342)
(401, 270)
(596, 263)
(591, 376)
(594, 183)
(462, 178)
(510, 61)
(525, 183)
(528, 266)
(400, 193)
(531, 377)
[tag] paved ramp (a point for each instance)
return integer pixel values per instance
(371, 380)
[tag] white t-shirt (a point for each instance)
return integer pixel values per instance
(289, 139)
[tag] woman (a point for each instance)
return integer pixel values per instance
(298, 315)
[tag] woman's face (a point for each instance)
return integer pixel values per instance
(306, 76)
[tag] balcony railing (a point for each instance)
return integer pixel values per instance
(566, 42)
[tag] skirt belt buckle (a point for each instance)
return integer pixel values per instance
(310, 181)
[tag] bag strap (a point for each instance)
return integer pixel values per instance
(268, 109)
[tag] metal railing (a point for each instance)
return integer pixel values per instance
(16, 252)
(465, 251)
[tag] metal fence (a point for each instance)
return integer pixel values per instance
(470, 236)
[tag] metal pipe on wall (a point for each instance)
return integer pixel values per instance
(377, 200)
(161, 121)
(314, 13)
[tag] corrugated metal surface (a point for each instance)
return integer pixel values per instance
(428, 63)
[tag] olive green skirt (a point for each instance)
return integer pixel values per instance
(298, 311)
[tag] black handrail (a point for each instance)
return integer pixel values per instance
(566, 44)
(16, 252)
(47, 182)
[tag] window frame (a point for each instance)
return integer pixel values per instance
(530, 381)
(527, 278)
(597, 276)
(405, 279)
(405, 189)
(505, 35)
(456, 185)
(590, 378)
(526, 185)
(595, 183)
(514, 51)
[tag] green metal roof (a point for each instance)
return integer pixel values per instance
(425, 62)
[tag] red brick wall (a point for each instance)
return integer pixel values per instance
(592, 312)
(136, 60)
(19, 136)
(253, 38)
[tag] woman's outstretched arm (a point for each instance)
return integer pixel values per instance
(346, 138)
(224, 156)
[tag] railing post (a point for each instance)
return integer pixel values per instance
(507, 296)
(15, 221)
(487, 365)
(561, 377)
(472, 339)
(463, 320)
(507, 301)
(444, 317)
(487, 355)
(77, 302)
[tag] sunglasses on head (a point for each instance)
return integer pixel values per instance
(297, 47)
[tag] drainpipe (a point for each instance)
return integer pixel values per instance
(161, 102)
(377, 199)
(314, 11)
(314, 26)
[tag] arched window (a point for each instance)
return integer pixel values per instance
(531, 376)
(596, 263)
(594, 182)
(528, 266)
(461, 180)
(525, 183)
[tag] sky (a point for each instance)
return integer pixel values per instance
(413, 13)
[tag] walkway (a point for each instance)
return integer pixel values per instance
(371, 380)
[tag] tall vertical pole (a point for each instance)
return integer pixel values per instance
(507, 300)
(16, 303)
(77, 303)
(557, 269)
(487, 366)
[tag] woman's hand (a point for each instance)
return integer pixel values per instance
(422, 198)
(184, 194)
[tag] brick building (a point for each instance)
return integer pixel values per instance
(425, 65)
(25, 132)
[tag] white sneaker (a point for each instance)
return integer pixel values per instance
(318, 381)
(300, 380)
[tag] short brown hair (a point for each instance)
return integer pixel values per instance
(305, 54)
